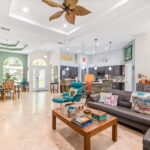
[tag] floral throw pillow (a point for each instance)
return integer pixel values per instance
(111, 100)
(141, 104)
(139, 94)
(73, 92)
(103, 96)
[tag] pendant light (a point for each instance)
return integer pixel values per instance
(96, 44)
(65, 46)
(83, 58)
(95, 67)
(110, 43)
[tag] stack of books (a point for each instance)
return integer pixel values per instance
(82, 121)
(99, 115)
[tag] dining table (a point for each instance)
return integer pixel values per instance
(17, 88)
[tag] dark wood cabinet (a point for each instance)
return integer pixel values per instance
(143, 87)
(93, 71)
(71, 73)
(101, 71)
(117, 70)
(118, 85)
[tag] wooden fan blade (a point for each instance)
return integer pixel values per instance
(71, 3)
(56, 15)
(52, 3)
(70, 17)
(81, 11)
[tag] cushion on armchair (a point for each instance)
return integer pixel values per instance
(65, 94)
(73, 92)
(68, 98)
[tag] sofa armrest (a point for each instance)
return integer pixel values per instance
(146, 140)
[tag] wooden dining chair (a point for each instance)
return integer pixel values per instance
(8, 89)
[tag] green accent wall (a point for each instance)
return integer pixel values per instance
(22, 57)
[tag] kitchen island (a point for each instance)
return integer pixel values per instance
(97, 86)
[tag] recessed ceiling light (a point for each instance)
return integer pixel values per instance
(68, 48)
(45, 56)
(65, 25)
(106, 48)
(25, 9)
(97, 44)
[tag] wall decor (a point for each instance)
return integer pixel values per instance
(128, 53)
(66, 58)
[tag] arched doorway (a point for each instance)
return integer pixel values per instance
(39, 75)
(14, 67)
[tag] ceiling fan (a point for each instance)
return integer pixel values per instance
(70, 8)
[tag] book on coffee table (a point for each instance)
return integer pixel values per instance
(99, 115)
(82, 121)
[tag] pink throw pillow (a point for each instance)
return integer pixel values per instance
(111, 100)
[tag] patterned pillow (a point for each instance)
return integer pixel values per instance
(103, 96)
(139, 94)
(141, 104)
(73, 92)
(111, 100)
(136, 94)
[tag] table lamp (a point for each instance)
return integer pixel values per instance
(89, 78)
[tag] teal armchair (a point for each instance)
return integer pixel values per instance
(67, 98)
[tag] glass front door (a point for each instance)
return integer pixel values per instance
(39, 79)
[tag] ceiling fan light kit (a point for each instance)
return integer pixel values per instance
(70, 8)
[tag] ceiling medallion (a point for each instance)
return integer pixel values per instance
(70, 8)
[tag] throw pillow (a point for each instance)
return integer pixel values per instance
(139, 94)
(136, 94)
(141, 104)
(95, 97)
(73, 92)
(111, 100)
(103, 96)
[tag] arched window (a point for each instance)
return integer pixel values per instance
(14, 67)
(39, 62)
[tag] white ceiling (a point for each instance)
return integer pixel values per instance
(111, 20)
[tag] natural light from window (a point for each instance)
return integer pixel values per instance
(13, 66)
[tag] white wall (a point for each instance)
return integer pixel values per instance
(31, 57)
(142, 56)
(53, 58)
(115, 59)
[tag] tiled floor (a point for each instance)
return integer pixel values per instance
(25, 124)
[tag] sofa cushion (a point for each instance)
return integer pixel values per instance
(95, 97)
(146, 140)
(122, 112)
(123, 97)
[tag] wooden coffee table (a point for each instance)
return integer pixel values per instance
(89, 131)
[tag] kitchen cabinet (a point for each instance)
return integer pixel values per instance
(93, 71)
(71, 73)
(143, 87)
(101, 71)
(118, 85)
(117, 71)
